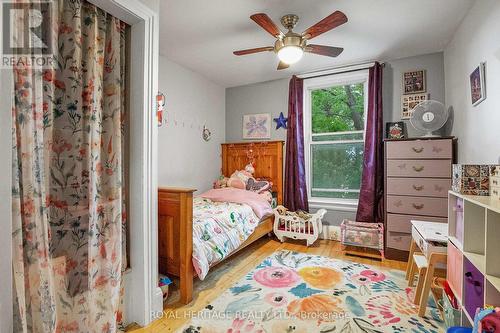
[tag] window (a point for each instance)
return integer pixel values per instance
(334, 128)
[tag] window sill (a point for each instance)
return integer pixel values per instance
(345, 205)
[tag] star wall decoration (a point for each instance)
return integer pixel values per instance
(281, 121)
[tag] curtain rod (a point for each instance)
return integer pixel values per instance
(338, 70)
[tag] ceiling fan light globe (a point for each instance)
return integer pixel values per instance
(290, 54)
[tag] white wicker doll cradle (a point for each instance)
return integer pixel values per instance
(291, 225)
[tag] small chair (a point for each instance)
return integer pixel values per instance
(434, 286)
(420, 262)
(410, 268)
(435, 259)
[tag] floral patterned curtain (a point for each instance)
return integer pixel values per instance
(68, 177)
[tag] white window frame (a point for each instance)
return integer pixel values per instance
(323, 82)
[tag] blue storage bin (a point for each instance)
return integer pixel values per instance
(459, 330)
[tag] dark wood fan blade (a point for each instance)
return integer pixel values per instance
(256, 50)
(326, 24)
(267, 24)
(282, 65)
(323, 50)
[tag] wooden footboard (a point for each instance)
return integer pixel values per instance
(175, 237)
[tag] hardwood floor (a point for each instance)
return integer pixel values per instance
(228, 273)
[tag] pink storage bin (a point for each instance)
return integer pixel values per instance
(459, 218)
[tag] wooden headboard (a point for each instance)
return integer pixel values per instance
(266, 157)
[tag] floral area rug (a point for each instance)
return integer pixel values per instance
(296, 292)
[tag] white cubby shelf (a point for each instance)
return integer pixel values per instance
(478, 239)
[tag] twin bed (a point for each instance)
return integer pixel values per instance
(196, 233)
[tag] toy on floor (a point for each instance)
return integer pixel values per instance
(163, 284)
(364, 235)
(298, 225)
(487, 320)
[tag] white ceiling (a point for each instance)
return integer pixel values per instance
(202, 34)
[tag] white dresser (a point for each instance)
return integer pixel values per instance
(417, 180)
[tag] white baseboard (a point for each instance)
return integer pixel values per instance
(157, 301)
(331, 232)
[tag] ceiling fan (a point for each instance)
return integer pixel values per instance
(290, 47)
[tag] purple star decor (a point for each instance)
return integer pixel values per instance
(281, 121)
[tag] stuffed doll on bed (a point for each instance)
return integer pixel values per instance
(244, 180)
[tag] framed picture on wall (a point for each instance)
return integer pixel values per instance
(395, 130)
(257, 126)
(478, 85)
(414, 82)
(408, 103)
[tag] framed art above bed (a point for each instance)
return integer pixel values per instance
(257, 126)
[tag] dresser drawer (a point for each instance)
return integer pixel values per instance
(473, 285)
(420, 149)
(417, 205)
(419, 168)
(428, 187)
(398, 240)
(402, 223)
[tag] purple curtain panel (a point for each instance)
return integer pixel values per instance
(370, 207)
(295, 167)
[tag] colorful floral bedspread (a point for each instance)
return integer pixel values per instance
(219, 228)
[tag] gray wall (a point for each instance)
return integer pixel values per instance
(476, 40)
(266, 97)
(272, 97)
(184, 158)
(393, 88)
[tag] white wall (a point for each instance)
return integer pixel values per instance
(184, 158)
(476, 40)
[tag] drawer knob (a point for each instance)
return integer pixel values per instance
(418, 206)
(418, 150)
(418, 187)
(418, 168)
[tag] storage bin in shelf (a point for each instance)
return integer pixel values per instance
(454, 271)
(480, 248)
(474, 288)
(467, 224)
(455, 220)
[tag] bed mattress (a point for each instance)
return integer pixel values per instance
(219, 228)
